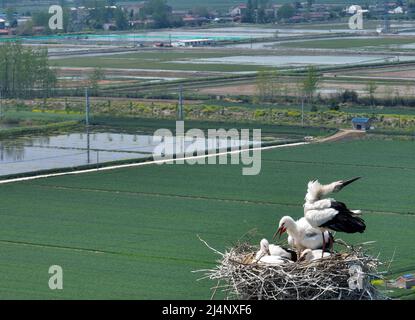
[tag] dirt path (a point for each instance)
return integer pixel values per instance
(342, 135)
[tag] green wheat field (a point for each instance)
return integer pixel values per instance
(133, 233)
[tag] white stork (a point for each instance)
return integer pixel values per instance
(272, 254)
(329, 214)
(312, 255)
(301, 235)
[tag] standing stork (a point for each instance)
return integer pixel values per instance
(329, 214)
(301, 235)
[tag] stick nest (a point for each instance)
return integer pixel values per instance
(325, 279)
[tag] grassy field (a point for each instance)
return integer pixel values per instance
(349, 43)
(132, 233)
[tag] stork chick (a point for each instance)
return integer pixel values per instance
(309, 255)
(272, 254)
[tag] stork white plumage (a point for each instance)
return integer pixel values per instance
(312, 255)
(273, 261)
(263, 250)
(329, 214)
(316, 191)
(301, 235)
(271, 254)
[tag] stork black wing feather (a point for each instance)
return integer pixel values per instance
(345, 220)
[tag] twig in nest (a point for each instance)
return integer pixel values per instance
(327, 278)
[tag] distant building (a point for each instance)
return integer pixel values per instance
(362, 124)
(3, 30)
(193, 43)
(109, 26)
(223, 20)
(318, 16)
(238, 11)
(297, 18)
(406, 281)
(397, 10)
(23, 20)
(39, 30)
(191, 20)
(142, 23)
(134, 8)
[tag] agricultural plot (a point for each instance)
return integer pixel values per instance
(132, 233)
(348, 43)
(158, 60)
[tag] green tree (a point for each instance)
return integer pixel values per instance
(285, 12)
(201, 11)
(310, 83)
(267, 88)
(41, 18)
(10, 13)
(24, 72)
(160, 12)
(371, 88)
(94, 78)
(261, 18)
(25, 29)
(121, 20)
(249, 13)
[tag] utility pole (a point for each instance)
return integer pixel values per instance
(181, 112)
(1, 106)
(87, 126)
(88, 146)
(302, 111)
(86, 107)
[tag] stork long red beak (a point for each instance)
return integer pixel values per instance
(279, 232)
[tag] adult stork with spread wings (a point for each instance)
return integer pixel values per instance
(329, 214)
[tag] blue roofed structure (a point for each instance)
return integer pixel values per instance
(362, 124)
(406, 281)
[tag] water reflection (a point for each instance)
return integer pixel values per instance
(26, 154)
(11, 152)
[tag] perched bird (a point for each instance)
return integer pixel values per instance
(311, 255)
(272, 254)
(329, 214)
(301, 235)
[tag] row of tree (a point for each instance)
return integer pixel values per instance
(24, 71)
(268, 85)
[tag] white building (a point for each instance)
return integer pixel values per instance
(397, 10)
(193, 43)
